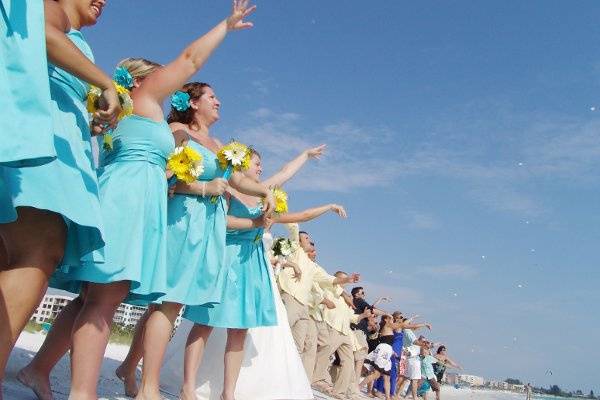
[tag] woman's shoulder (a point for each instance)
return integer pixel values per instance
(56, 16)
(178, 126)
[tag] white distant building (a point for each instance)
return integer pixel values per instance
(450, 378)
(128, 315)
(471, 380)
(49, 308)
(51, 305)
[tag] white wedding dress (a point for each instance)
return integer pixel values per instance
(271, 370)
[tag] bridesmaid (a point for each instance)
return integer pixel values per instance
(25, 99)
(194, 221)
(189, 217)
(46, 213)
(133, 205)
(248, 300)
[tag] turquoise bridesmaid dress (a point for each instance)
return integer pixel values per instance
(25, 120)
(133, 200)
(248, 301)
(68, 185)
(196, 242)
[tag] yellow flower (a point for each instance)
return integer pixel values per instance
(236, 155)
(125, 101)
(95, 93)
(92, 99)
(186, 164)
(281, 200)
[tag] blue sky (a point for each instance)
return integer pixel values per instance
(463, 138)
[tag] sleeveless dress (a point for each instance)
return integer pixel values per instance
(196, 242)
(267, 348)
(397, 347)
(68, 185)
(133, 199)
(25, 120)
(248, 301)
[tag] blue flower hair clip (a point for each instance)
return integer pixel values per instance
(180, 101)
(123, 77)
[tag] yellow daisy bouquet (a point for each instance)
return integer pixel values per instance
(93, 104)
(234, 156)
(281, 200)
(186, 165)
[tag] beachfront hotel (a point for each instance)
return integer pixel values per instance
(127, 315)
(52, 304)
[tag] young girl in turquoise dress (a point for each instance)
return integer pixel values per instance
(52, 209)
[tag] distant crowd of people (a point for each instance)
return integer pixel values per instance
(346, 343)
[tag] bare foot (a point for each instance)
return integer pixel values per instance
(148, 396)
(38, 383)
(186, 394)
(323, 388)
(129, 381)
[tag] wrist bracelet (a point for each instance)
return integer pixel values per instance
(203, 189)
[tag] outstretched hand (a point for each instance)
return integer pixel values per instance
(235, 21)
(339, 210)
(316, 152)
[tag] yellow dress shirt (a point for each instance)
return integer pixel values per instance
(311, 273)
(340, 317)
(315, 308)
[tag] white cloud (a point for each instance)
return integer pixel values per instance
(496, 155)
(422, 221)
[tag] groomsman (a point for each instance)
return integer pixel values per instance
(340, 339)
(296, 295)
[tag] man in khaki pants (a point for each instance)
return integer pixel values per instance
(296, 294)
(317, 324)
(340, 339)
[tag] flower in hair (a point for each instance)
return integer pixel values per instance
(123, 77)
(180, 101)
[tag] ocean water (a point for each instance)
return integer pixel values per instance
(451, 393)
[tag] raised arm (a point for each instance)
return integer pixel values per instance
(160, 84)
(449, 362)
(290, 169)
(379, 300)
(294, 232)
(309, 214)
(63, 53)
(415, 326)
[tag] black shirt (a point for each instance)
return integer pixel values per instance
(359, 307)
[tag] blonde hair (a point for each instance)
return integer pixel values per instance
(139, 67)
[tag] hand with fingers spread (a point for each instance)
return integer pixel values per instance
(316, 152)
(240, 11)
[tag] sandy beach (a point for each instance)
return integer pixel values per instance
(110, 387)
